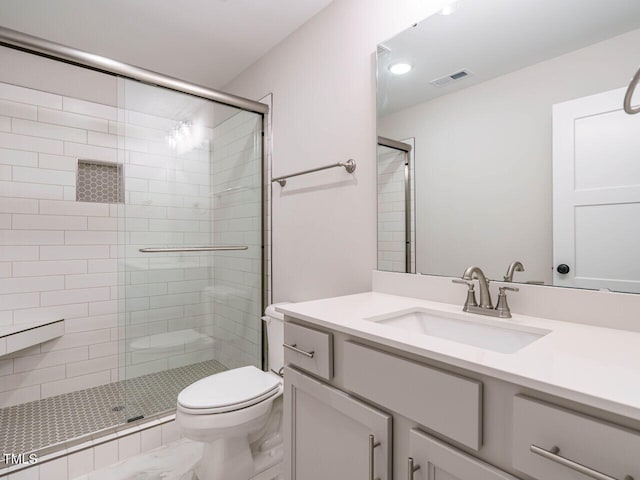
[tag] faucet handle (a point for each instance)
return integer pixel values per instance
(471, 293)
(511, 289)
(502, 306)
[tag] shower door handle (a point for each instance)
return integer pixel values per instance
(211, 248)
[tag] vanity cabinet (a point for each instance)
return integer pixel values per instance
(431, 459)
(452, 423)
(331, 435)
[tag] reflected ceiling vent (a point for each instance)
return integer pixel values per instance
(453, 77)
(383, 50)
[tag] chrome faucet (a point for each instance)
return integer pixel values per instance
(486, 307)
(472, 273)
(514, 267)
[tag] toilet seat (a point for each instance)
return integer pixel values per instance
(228, 391)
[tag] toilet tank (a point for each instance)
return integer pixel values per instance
(275, 336)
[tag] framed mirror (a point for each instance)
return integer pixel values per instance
(520, 148)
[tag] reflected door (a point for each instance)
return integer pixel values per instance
(396, 231)
(596, 194)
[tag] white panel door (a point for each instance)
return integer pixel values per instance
(596, 194)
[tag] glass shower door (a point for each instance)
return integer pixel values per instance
(191, 256)
(393, 231)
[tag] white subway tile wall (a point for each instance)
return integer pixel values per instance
(80, 261)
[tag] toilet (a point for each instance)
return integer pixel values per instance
(237, 414)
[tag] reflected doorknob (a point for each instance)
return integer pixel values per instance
(563, 269)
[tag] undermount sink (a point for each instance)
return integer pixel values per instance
(477, 331)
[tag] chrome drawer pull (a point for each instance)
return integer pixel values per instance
(294, 348)
(372, 446)
(411, 468)
(554, 456)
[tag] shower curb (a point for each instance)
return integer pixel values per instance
(91, 440)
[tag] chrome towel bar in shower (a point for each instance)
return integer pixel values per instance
(212, 248)
(349, 166)
(629, 95)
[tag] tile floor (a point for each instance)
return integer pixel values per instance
(174, 461)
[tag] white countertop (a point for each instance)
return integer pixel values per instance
(595, 366)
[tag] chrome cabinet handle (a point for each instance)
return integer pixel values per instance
(554, 456)
(372, 446)
(411, 469)
(294, 348)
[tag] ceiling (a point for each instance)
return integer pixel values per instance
(207, 42)
(491, 38)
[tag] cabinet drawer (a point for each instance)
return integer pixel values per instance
(443, 402)
(584, 444)
(435, 460)
(309, 350)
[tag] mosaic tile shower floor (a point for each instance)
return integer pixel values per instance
(32, 426)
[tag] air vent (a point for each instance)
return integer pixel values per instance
(453, 77)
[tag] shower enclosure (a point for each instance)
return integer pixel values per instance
(147, 226)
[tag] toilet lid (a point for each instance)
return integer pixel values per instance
(229, 389)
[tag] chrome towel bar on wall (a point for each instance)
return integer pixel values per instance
(629, 95)
(349, 166)
(212, 248)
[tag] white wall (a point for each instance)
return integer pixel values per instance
(323, 82)
(483, 161)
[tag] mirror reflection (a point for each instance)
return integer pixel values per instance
(523, 159)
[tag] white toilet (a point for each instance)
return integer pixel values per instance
(238, 415)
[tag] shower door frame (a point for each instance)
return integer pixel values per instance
(42, 47)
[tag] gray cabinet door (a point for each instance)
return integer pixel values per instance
(327, 433)
(438, 461)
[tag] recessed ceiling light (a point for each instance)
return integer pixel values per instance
(400, 68)
(449, 9)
